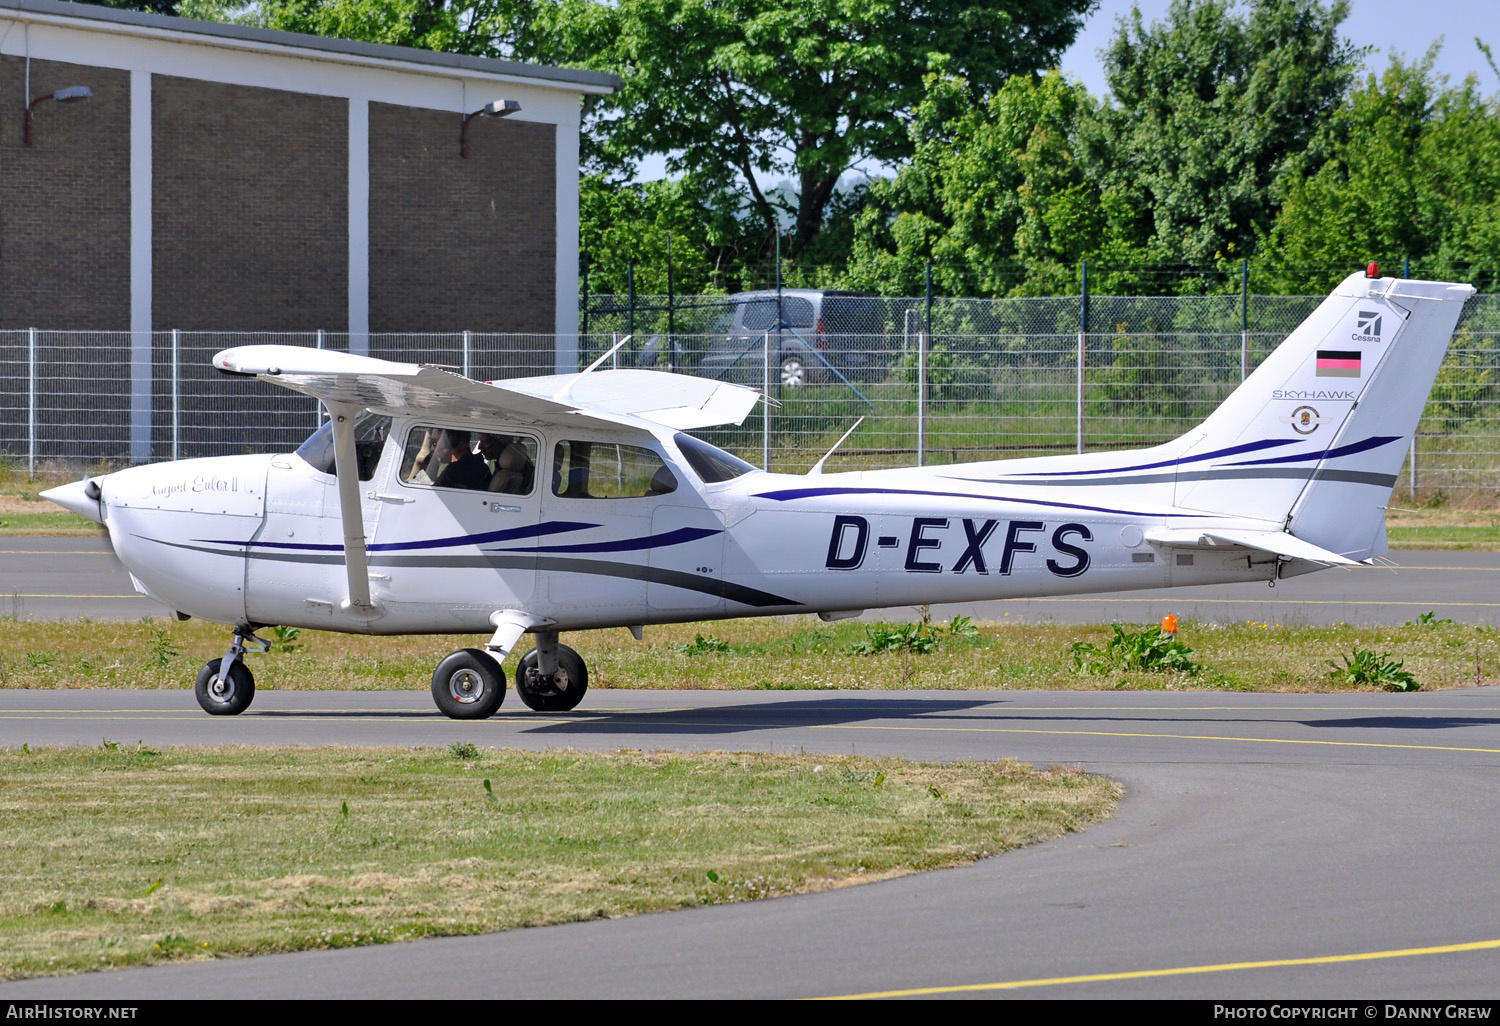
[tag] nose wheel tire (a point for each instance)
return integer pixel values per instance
(793, 372)
(224, 697)
(546, 695)
(468, 685)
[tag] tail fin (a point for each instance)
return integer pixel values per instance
(1323, 424)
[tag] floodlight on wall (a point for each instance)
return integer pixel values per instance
(61, 96)
(497, 109)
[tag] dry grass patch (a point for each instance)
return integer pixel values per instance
(125, 855)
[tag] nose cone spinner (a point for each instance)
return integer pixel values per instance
(81, 497)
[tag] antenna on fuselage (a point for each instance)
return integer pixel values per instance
(817, 467)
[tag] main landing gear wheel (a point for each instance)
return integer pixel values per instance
(468, 685)
(559, 694)
(224, 697)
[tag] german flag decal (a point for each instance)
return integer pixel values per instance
(1338, 363)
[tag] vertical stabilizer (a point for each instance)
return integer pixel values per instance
(1315, 437)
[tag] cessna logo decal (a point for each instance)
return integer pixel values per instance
(850, 540)
(1304, 420)
(1367, 327)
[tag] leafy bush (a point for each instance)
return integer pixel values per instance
(284, 639)
(1366, 667)
(1148, 649)
(921, 637)
(701, 645)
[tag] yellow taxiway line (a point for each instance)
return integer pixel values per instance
(1190, 970)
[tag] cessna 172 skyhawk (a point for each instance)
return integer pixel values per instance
(430, 503)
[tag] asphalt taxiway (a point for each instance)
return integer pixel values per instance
(1268, 846)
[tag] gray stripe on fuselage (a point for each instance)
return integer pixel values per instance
(521, 561)
(1226, 474)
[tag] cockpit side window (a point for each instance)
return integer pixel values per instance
(471, 460)
(370, 431)
(608, 470)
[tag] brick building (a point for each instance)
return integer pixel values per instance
(223, 178)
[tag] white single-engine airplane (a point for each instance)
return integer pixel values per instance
(430, 503)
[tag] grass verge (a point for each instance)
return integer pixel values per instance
(123, 855)
(787, 653)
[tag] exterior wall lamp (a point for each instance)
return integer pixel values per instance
(497, 109)
(67, 95)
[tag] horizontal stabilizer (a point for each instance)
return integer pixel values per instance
(1278, 542)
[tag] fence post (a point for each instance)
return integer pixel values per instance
(671, 313)
(765, 432)
(1412, 468)
(318, 406)
(1083, 333)
(467, 340)
(927, 316)
(630, 323)
(176, 392)
(1244, 318)
(31, 402)
(922, 338)
(585, 293)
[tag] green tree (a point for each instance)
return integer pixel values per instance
(994, 193)
(1208, 110)
(733, 89)
(683, 221)
(1414, 172)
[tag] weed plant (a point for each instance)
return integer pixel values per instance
(1149, 649)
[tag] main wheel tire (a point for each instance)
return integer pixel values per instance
(227, 698)
(546, 696)
(468, 685)
(794, 372)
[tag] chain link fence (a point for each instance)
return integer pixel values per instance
(993, 378)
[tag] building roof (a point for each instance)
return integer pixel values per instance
(315, 47)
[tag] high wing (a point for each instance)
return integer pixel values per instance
(347, 384)
(608, 396)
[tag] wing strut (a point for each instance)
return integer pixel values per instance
(346, 465)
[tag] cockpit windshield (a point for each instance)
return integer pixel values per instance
(710, 462)
(369, 439)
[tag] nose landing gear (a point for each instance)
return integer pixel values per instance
(226, 686)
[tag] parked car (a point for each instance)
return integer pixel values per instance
(817, 335)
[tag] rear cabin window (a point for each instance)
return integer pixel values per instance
(608, 470)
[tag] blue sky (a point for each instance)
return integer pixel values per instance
(1402, 25)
